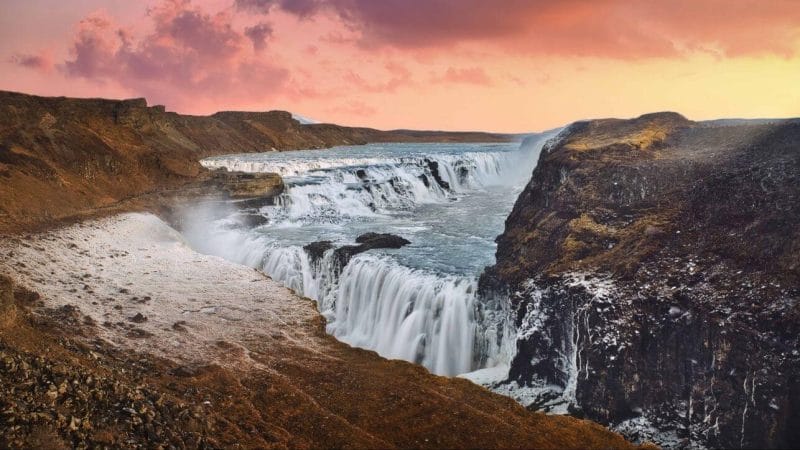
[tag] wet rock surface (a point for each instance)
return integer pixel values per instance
(367, 241)
(433, 166)
(381, 240)
(654, 272)
(316, 250)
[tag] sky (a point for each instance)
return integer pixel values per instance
(504, 65)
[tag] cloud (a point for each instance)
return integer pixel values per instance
(354, 108)
(42, 61)
(468, 75)
(190, 56)
(602, 28)
(301, 8)
(399, 76)
(259, 34)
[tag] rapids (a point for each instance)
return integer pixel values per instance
(418, 303)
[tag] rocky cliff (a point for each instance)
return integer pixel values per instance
(61, 156)
(653, 269)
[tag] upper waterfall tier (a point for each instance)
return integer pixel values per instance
(417, 303)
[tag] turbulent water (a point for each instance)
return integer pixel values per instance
(418, 303)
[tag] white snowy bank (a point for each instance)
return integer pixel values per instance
(115, 268)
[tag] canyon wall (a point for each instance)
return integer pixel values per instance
(61, 156)
(653, 269)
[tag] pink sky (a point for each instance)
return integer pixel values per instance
(510, 66)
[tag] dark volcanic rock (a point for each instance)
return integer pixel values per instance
(342, 255)
(654, 268)
(433, 166)
(382, 240)
(316, 250)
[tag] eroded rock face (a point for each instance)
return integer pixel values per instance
(654, 268)
(241, 185)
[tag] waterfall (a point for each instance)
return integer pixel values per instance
(425, 316)
(342, 189)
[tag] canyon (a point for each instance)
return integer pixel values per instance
(115, 332)
(61, 157)
(646, 277)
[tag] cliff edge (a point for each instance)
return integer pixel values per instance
(653, 267)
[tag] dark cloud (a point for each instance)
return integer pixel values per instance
(302, 8)
(605, 28)
(259, 34)
(39, 62)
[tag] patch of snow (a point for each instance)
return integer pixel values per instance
(112, 269)
(488, 376)
(303, 120)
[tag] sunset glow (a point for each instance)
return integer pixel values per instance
(444, 64)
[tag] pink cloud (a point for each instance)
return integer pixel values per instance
(604, 28)
(190, 56)
(354, 108)
(42, 61)
(301, 8)
(468, 75)
(259, 34)
(399, 76)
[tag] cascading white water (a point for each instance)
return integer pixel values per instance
(347, 188)
(418, 303)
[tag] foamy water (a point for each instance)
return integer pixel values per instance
(418, 303)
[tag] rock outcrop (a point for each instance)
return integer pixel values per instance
(343, 254)
(653, 267)
(241, 185)
(63, 156)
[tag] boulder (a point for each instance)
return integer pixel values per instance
(366, 241)
(382, 240)
(316, 250)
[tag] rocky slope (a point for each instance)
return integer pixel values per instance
(61, 156)
(653, 267)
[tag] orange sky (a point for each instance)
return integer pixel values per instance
(510, 66)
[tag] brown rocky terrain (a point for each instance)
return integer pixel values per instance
(654, 271)
(63, 156)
